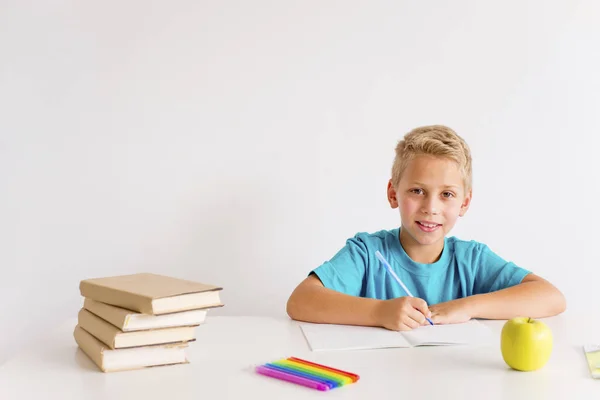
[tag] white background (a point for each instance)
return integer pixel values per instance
(241, 143)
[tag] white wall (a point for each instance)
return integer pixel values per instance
(240, 143)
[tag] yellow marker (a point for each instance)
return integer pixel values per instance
(315, 371)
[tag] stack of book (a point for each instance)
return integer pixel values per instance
(142, 320)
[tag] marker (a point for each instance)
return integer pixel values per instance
(288, 364)
(330, 383)
(391, 271)
(352, 376)
(292, 378)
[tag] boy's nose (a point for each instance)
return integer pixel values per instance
(430, 207)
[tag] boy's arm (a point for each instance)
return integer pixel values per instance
(534, 297)
(312, 302)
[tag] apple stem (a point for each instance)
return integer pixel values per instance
(529, 320)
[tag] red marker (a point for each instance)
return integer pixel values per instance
(350, 375)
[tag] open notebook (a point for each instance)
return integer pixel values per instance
(322, 337)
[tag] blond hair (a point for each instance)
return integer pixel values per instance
(434, 140)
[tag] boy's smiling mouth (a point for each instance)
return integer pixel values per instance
(428, 226)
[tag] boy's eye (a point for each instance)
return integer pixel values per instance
(448, 194)
(417, 191)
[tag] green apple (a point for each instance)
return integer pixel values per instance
(526, 344)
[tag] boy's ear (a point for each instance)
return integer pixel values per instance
(391, 194)
(466, 203)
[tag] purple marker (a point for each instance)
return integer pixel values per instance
(291, 378)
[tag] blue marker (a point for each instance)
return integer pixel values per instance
(391, 271)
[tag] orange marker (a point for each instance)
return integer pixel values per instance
(350, 375)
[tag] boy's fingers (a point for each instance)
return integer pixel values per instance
(416, 316)
(404, 327)
(411, 323)
(421, 305)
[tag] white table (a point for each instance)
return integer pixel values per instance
(227, 349)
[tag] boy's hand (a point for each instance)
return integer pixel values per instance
(450, 312)
(402, 313)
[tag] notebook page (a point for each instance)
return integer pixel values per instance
(592, 356)
(471, 332)
(325, 337)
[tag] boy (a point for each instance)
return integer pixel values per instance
(452, 280)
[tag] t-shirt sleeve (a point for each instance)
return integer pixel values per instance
(345, 272)
(495, 273)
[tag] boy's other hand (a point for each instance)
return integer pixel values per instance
(402, 313)
(450, 312)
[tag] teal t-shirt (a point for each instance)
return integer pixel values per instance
(465, 268)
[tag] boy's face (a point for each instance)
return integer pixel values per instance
(431, 196)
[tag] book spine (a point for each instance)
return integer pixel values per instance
(90, 346)
(116, 316)
(97, 327)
